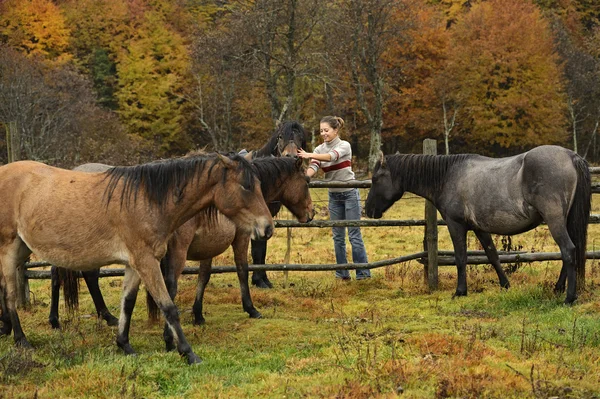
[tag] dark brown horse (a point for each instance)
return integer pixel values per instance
(283, 180)
(498, 196)
(285, 141)
(83, 221)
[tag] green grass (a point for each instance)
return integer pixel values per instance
(323, 338)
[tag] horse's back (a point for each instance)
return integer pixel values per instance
(93, 167)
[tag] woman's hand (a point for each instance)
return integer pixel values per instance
(304, 154)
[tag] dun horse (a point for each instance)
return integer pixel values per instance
(83, 221)
(285, 141)
(203, 237)
(499, 196)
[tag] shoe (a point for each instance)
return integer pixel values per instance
(343, 278)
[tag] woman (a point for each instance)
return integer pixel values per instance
(334, 156)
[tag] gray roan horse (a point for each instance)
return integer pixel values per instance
(83, 221)
(499, 196)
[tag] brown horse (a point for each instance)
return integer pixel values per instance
(205, 236)
(83, 221)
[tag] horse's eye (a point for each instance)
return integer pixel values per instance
(245, 188)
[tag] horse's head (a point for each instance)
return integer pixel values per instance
(384, 191)
(239, 197)
(284, 180)
(290, 137)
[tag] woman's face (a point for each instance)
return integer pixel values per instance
(327, 132)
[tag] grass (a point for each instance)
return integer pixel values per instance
(385, 337)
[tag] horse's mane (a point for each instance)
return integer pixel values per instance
(416, 170)
(163, 179)
(287, 130)
(271, 170)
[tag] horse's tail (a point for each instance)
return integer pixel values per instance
(579, 216)
(153, 310)
(69, 279)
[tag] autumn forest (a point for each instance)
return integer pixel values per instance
(127, 81)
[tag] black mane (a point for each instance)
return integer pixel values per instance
(163, 179)
(415, 170)
(271, 170)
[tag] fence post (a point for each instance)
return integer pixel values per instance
(430, 241)
(13, 147)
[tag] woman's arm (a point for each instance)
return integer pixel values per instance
(318, 157)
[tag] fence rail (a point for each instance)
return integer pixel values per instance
(431, 258)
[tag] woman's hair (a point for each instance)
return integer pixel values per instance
(334, 121)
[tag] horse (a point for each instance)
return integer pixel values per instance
(496, 196)
(285, 141)
(204, 236)
(83, 221)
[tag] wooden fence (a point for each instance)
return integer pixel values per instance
(430, 256)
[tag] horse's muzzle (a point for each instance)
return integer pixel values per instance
(257, 234)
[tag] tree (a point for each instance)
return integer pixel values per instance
(152, 72)
(363, 31)
(509, 75)
(36, 27)
(54, 111)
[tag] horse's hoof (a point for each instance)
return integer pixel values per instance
(459, 293)
(559, 289)
(127, 348)
(111, 320)
(199, 322)
(505, 285)
(23, 343)
(170, 347)
(6, 328)
(570, 301)
(192, 358)
(54, 323)
(261, 284)
(255, 314)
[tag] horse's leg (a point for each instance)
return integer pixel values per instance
(259, 256)
(490, 250)
(458, 234)
(148, 269)
(131, 285)
(55, 297)
(558, 230)
(91, 280)
(203, 279)
(13, 255)
(173, 264)
(240, 255)
(561, 283)
(6, 327)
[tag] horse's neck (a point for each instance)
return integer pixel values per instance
(424, 175)
(198, 196)
(266, 150)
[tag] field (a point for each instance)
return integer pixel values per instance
(386, 337)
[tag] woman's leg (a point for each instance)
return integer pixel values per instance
(337, 211)
(359, 253)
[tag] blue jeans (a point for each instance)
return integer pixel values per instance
(346, 206)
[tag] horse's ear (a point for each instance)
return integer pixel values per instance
(226, 161)
(382, 159)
